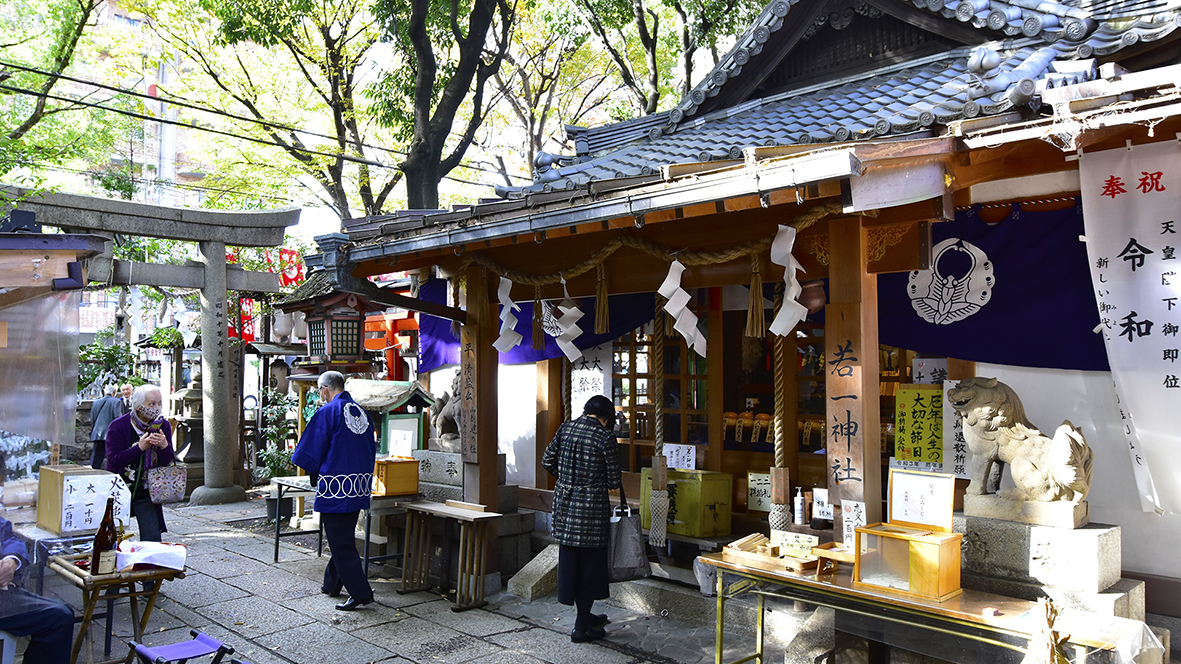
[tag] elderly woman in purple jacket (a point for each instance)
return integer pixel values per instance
(140, 440)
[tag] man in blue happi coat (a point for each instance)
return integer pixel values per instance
(338, 449)
(50, 622)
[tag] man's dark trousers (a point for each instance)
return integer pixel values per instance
(49, 622)
(345, 566)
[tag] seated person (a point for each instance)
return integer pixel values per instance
(49, 621)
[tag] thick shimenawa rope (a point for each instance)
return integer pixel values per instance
(688, 257)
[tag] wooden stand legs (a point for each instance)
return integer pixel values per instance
(473, 540)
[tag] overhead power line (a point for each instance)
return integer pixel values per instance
(177, 101)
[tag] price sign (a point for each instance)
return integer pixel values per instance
(853, 516)
(84, 500)
(821, 508)
(758, 491)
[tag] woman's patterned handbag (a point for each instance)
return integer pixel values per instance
(166, 484)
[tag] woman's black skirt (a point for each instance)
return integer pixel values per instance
(582, 573)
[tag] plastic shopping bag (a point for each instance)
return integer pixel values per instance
(159, 554)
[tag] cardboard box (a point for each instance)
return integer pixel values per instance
(395, 476)
(698, 502)
(71, 499)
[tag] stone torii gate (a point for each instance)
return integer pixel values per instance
(212, 230)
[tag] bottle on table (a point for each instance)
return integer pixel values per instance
(106, 542)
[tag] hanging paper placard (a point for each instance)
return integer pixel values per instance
(918, 427)
(1131, 208)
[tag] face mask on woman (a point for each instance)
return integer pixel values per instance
(148, 413)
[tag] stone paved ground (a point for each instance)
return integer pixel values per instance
(274, 614)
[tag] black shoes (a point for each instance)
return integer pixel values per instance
(353, 604)
(588, 634)
(598, 620)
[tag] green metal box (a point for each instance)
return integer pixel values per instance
(698, 502)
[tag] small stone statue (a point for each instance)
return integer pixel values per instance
(445, 419)
(998, 433)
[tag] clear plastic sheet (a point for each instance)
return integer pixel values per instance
(39, 373)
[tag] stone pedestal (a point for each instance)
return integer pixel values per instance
(1059, 514)
(1078, 568)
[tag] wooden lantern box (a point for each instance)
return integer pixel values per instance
(698, 502)
(915, 553)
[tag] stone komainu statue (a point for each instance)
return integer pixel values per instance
(998, 433)
(445, 415)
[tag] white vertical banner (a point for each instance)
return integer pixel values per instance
(1131, 213)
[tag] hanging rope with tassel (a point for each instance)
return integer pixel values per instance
(602, 305)
(755, 321)
(538, 320)
(567, 389)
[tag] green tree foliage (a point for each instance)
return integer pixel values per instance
(550, 75)
(45, 122)
(444, 55)
(294, 69)
(653, 61)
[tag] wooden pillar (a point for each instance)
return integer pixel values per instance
(852, 405)
(478, 366)
(715, 385)
(549, 415)
(960, 369)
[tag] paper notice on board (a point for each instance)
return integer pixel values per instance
(681, 456)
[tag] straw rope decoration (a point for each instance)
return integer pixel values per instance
(780, 348)
(538, 319)
(756, 325)
(602, 311)
(597, 261)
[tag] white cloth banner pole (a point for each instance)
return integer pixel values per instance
(1131, 212)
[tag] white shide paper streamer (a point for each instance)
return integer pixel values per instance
(509, 337)
(568, 324)
(792, 312)
(676, 306)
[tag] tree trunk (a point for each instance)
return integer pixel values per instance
(422, 180)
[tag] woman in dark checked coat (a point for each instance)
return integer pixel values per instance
(584, 457)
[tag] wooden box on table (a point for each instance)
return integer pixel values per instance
(395, 476)
(915, 553)
(698, 502)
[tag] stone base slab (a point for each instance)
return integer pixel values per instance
(1058, 514)
(207, 495)
(1124, 599)
(1083, 560)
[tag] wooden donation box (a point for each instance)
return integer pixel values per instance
(914, 553)
(395, 476)
(698, 502)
